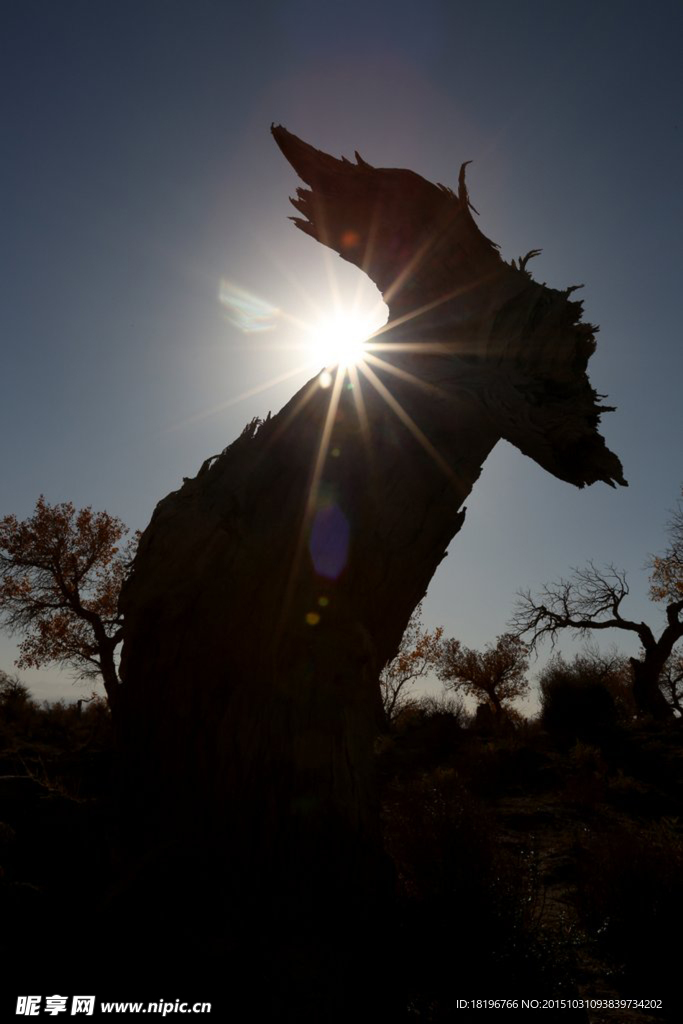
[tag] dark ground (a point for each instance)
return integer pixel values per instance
(526, 866)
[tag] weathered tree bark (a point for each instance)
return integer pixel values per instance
(269, 591)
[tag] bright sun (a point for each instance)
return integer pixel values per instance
(340, 339)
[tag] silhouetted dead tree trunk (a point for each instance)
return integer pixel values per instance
(269, 591)
(647, 670)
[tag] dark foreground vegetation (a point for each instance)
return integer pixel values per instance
(539, 860)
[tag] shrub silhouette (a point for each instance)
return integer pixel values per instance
(575, 700)
(18, 710)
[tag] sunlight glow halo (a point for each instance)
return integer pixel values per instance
(340, 339)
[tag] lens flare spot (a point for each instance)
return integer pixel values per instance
(350, 239)
(250, 313)
(312, 618)
(329, 541)
(325, 379)
(323, 601)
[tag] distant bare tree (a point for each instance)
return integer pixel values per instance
(591, 599)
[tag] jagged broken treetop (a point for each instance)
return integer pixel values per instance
(447, 286)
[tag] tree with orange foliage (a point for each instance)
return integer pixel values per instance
(666, 581)
(495, 676)
(418, 651)
(61, 571)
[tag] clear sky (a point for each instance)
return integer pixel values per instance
(138, 173)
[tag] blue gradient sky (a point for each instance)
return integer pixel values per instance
(138, 171)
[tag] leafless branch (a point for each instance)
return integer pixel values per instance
(590, 599)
